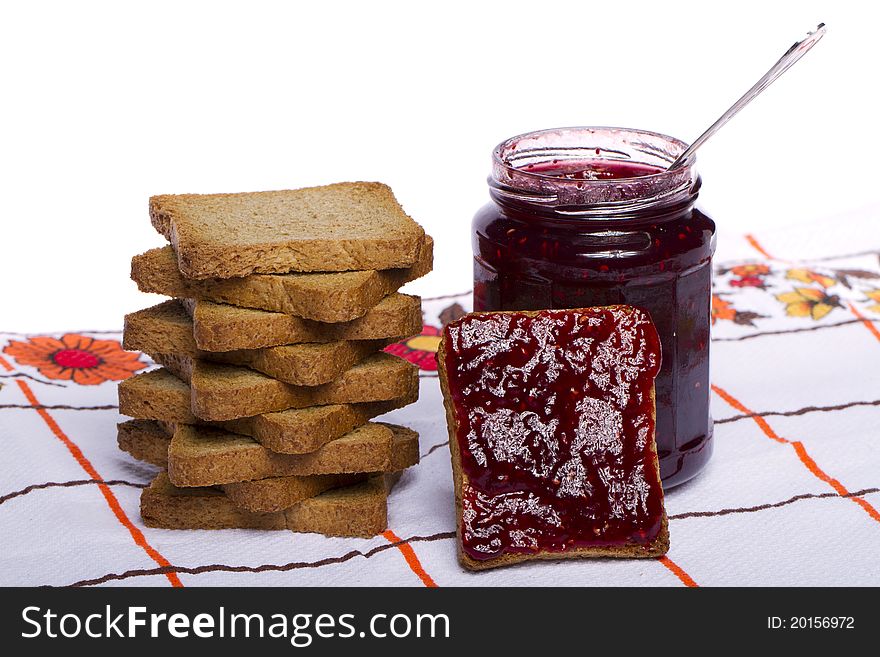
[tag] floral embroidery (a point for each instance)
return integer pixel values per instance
(845, 276)
(722, 309)
(808, 276)
(750, 270)
(420, 349)
(810, 297)
(809, 302)
(748, 275)
(874, 295)
(83, 360)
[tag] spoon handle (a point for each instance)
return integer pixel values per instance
(791, 56)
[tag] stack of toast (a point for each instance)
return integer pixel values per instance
(272, 359)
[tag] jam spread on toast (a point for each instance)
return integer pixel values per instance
(555, 428)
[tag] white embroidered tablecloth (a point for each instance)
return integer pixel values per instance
(791, 496)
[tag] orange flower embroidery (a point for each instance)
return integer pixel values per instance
(420, 349)
(750, 270)
(874, 295)
(722, 309)
(75, 357)
(751, 275)
(808, 302)
(807, 276)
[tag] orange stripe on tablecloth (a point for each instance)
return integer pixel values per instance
(839, 488)
(679, 572)
(867, 322)
(765, 426)
(411, 558)
(108, 494)
(5, 364)
(757, 246)
(801, 452)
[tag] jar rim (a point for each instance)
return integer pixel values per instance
(511, 181)
(681, 146)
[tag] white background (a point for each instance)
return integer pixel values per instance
(106, 103)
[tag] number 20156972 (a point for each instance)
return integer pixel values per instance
(811, 623)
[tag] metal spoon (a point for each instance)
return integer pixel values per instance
(788, 60)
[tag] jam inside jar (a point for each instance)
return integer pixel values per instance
(591, 217)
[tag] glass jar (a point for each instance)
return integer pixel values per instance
(590, 217)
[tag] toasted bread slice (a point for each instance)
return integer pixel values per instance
(200, 456)
(279, 493)
(149, 441)
(226, 392)
(359, 509)
(294, 431)
(223, 327)
(193, 327)
(327, 297)
(551, 425)
(339, 227)
(167, 329)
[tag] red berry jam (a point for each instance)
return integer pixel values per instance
(592, 169)
(554, 416)
(590, 217)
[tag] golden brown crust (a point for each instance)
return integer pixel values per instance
(656, 548)
(223, 327)
(299, 431)
(211, 458)
(357, 510)
(199, 456)
(158, 395)
(327, 297)
(339, 227)
(279, 493)
(167, 329)
(144, 440)
(228, 392)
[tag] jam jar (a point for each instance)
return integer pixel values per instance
(591, 217)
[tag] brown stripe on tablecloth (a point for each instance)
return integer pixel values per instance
(841, 257)
(727, 263)
(447, 296)
(109, 497)
(753, 242)
(771, 505)
(800, 411)
(434, 448)
(804, 329)
(24, 375)
(801, 452)
(294, 565)
(68, 484)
